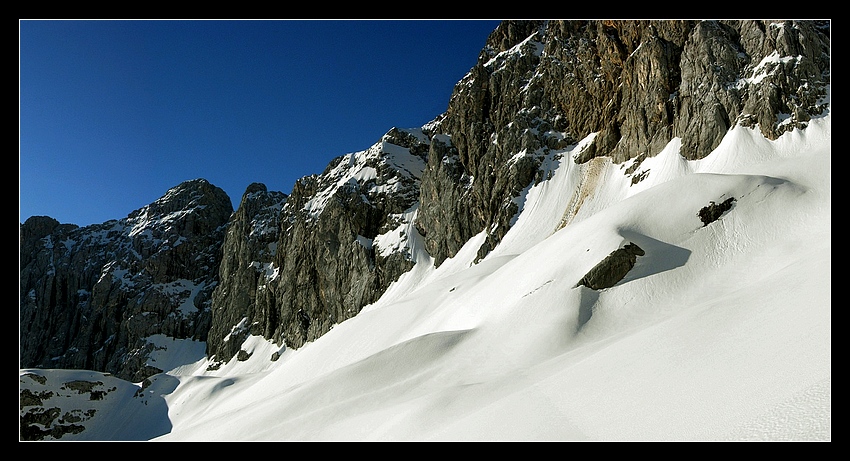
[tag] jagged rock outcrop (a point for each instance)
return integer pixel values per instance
(332, 255)
(713, 211)
(541, 85)
(333, 248)
(248, 255)
(92, 297)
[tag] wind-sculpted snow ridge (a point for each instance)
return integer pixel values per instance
(718, 332)
(636, 86)
(429, 287)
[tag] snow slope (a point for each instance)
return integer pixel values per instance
(720, 332)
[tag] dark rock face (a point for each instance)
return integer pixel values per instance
(325, 251)
(613, 268)
(541, 86)
(331, 255)
(248, 253)
(91, 297)
(756, 73)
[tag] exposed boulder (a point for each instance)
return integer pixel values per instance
(61, 403)
(613, 268)
(712, 212)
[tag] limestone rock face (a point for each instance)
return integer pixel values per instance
(634, 85)
(248, 254)
(757, 73)
(97, 297)
(327, 250)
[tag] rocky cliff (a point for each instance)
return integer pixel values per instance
(633, 85)
(288, 268)
(295, 267)
(96, 297)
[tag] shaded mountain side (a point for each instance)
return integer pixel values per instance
(92, 297)
(318, 258)
(289, 268)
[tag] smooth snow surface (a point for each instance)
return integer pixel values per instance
(720, 332)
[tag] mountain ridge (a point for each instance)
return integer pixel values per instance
(289, 268)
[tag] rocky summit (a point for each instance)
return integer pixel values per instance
(96, 297)
(290, 267)
(295, 266)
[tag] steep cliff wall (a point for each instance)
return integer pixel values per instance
(322, 253)
(93, 297)
(539, 85)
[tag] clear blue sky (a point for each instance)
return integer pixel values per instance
(114, 113)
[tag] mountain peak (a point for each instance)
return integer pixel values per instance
(543, 234)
